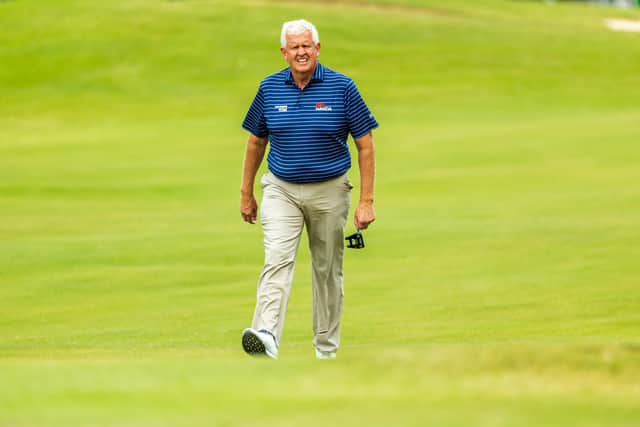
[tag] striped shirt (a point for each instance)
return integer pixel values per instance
(308, 128)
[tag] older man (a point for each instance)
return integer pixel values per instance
(306, 112)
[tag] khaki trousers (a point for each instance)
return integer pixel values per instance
(286, 208)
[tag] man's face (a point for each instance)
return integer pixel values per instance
(301, 52)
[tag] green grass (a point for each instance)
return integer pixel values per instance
(500, 282)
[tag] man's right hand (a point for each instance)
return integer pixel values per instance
(248, 208)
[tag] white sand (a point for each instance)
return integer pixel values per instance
(624, 25)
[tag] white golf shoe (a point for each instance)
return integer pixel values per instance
(326, 355)
(260, 342)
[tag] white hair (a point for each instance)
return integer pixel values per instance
(297, 27)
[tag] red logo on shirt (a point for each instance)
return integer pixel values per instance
(321, 106)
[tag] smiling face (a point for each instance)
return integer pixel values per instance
(301, 53)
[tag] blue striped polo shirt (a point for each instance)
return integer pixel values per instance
(308, 129)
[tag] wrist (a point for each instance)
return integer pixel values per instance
(366, 200)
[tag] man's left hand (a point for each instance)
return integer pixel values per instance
(365, 215)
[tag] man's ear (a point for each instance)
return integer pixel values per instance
(283, 52)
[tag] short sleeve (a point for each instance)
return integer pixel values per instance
(254, 121)
(359, 118)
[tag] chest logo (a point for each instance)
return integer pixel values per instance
(321, 106)
(281, 108)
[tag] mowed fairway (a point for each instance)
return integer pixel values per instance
(500, 285)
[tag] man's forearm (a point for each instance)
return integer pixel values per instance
(365, 214)
(367, 165)
(252, 160)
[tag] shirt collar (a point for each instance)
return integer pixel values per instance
(318, 74)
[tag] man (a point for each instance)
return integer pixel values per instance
(306, 113)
